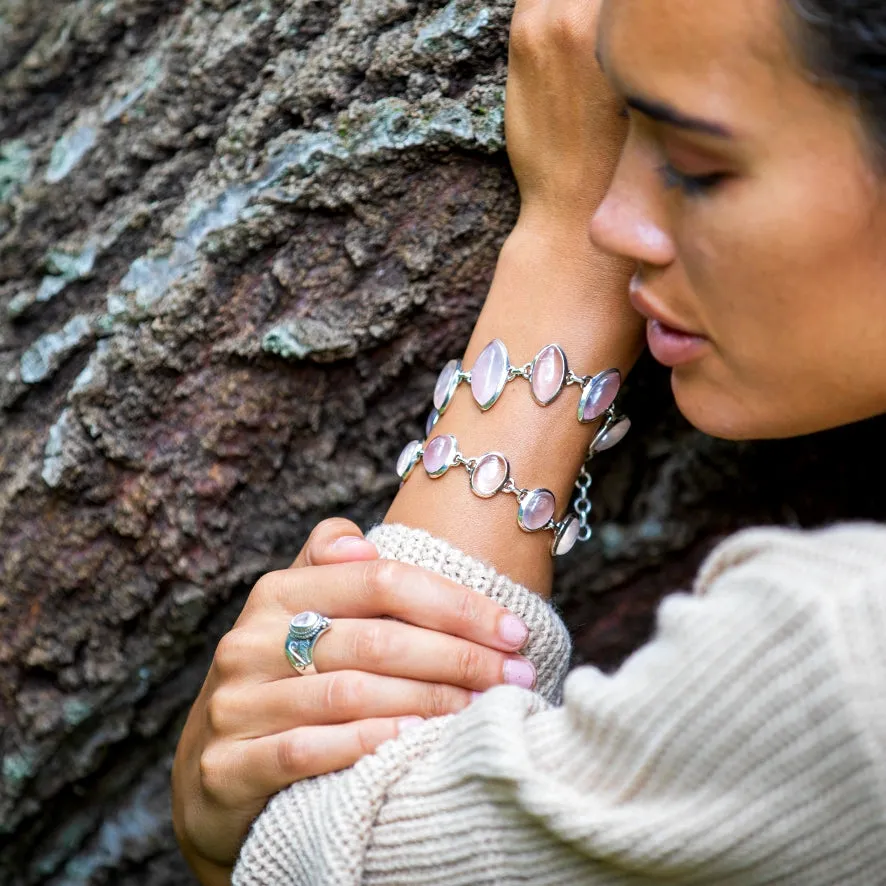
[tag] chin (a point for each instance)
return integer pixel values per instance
(728, 414)
(722, 414)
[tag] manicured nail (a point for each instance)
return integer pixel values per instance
(347, 542)
(406, 723)
(519, 672)
(513, 630)
(476, 695)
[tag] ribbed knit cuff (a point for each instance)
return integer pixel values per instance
(549, 647)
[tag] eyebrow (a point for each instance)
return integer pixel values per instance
(664, 113)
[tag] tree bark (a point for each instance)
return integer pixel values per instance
(237, 242)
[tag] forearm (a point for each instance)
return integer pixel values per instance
(549, 287)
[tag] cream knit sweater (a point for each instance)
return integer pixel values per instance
(745, 744)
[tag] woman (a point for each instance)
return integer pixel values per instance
(738, 214)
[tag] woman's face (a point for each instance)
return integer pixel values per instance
(758, 221)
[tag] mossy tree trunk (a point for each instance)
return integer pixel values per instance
(237, 241)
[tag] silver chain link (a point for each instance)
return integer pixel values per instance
(469, 463)
(583, 504)
(513, 489)
(524, 371)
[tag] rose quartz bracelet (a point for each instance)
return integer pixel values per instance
(489, 475)
(548, 374)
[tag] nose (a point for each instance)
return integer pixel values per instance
(628, 223)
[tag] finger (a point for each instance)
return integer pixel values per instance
(387, 588)
(326, 699)
(335, 540)
(395, 649)
(277, 761)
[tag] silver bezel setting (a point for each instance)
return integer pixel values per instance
(521, 510)
(451, 388)
(502, 382)
(561, 530)
(431, 422)
(612, 421)
(563, 379)
(501, 485)
(414, 458)
(589, 389)
(446, 465)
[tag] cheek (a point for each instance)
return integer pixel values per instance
(789, 281)
(764, 261)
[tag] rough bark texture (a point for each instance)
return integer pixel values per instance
(237, 241)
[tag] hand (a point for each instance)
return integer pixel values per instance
(564, 130)
(258, 726)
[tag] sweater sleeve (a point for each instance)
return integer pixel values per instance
(744, 744)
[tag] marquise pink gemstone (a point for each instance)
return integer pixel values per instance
(490, 475)
(537, 509)
(600, 394)
(566, 542)
(548, 374)
(444, 381)
(490, 374)
(613, 436)
(439, 454)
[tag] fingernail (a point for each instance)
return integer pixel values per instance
(346, 542)
(475, 696)
(519, 672)
(404, 724)
(513, 630)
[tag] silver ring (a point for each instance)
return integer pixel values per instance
(304, 629)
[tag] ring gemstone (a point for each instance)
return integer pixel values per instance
(304, 623)
(536, 509)
(439, 456)
(598, 395)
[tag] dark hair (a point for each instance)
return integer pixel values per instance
(843, 44)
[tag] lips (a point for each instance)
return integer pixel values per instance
(646, 307)
(671, 342)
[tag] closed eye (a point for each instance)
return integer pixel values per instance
(690, 185)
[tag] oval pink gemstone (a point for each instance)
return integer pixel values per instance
(599, 394)
(613, 436)
(537, 509)
(490, 475)
(548, 374)
(568, 536)
(490, 374)
(443, 389)
(439, 454)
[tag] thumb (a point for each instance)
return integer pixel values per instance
(336, 540)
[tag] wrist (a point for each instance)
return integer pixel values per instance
(551, 284)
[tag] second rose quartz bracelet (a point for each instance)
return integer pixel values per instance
(490, 474)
